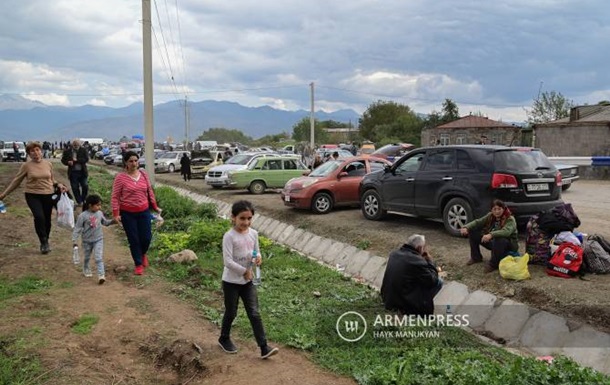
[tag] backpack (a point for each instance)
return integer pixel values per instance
(596, 258)
(537, 243)
(566, 261)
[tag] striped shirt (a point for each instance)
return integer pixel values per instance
(132, 195)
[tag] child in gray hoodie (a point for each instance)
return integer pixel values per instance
(89, 227)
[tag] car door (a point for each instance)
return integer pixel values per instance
(437, 172)
(272, 172)
(348, 180)
(399, 185)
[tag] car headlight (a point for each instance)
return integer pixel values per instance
(308, 182)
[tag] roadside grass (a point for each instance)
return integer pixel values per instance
(85, 323)
(19, 362)
(302, 301)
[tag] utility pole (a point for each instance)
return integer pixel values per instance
(186, 124)
(149, 135)
(312, 123)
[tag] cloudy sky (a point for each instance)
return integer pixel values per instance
(491, 57)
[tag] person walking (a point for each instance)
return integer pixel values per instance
(496, 231)
(238, 245)
(89, 227)
(76, 158)
(185, 167)
(132, 199)
(40, 186)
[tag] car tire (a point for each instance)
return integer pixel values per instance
(322, 203)
(171, 168)
(257, 187)
(371, 205)
(456, 214)
(565, 187)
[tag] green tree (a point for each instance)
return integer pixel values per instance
(378, 114)
(225, 135)
(301, 131)
(450, 111)
(548, 107)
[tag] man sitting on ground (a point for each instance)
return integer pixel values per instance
(411, 280)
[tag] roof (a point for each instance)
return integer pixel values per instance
(473, 121)
(583, 114)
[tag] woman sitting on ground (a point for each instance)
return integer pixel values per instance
(496, 231)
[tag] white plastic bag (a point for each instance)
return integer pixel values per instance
(65, 212)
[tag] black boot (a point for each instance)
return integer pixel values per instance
(44, 246)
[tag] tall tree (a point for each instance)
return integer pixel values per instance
(549, 106)
(378, 114)
(225, 135)
(301, 132)
(450, 111)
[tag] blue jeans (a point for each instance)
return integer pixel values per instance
(233, 292)
(139, 233)
(97, 248)
(80, 186)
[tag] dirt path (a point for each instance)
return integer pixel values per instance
(138, 318)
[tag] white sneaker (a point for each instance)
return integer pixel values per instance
(87, 272)
(101, 279)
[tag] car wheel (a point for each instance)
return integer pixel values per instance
(371, 205)
(565, 187)
(257, 187)
(322, 203)
(171, 168)
(456, 214)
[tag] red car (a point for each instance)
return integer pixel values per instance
(333, 183)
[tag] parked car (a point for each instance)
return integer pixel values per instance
(334, 183)
(217, 176)
(327, 153)
(7, 153)
(170, 161)
(393, 151)
(266, 172)
(458, 183)
(157, 154)
(569, 175)
(367, 148)
(202, 164)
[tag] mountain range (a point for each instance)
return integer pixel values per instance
(23, 119)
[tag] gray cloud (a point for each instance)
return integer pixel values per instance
(487, 56)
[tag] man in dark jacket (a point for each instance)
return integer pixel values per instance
(411, 279)
(76, 158)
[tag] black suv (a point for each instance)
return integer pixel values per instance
(458, 183)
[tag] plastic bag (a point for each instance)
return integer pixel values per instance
(65, 212)
(515, 267)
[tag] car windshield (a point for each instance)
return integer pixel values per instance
(522, 161)
(239, 159)
(326, 168)
(169, 155)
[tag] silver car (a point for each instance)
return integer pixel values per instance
(170, 161)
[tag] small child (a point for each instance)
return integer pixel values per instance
(89, 226)
(237, 246)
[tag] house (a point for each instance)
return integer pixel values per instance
(586, 132)
(472, 129)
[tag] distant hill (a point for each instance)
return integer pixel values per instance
(22, 119)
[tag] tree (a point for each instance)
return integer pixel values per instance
(301, 132)
(450, 111)
(379, 114)
(225, 135)
(549, 106)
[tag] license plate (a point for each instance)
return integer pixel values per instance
(537, 187)
(287, 198)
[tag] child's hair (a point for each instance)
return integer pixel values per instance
(91, 200)
(241, 206)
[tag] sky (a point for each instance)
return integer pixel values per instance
(490, 57)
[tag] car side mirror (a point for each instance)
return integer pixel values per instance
(387, 168)
(342, 174)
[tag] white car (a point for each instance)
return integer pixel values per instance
(170, 161)
(218, 177)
